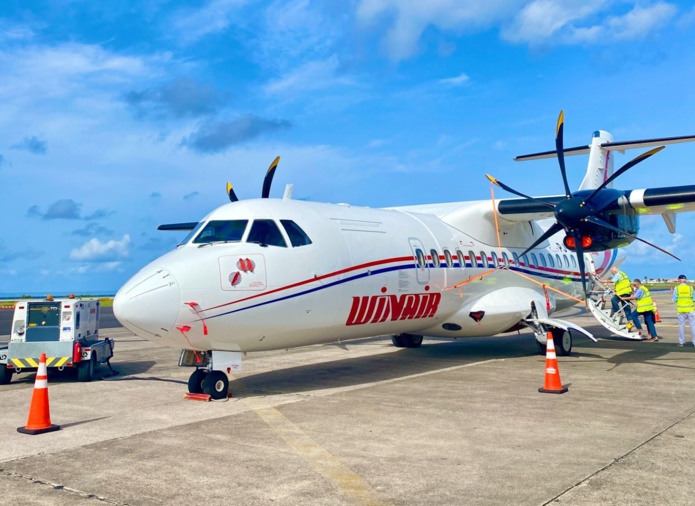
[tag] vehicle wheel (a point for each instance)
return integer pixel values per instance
(397, 341)
(216, 384)
(5, 374)
(542, 348)
(562, 341)
(85, 371)
(412, 341)
(195, 382)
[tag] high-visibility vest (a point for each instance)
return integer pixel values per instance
(684, 298)
(645, 302)
(622, 286)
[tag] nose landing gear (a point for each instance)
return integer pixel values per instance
(213, 383)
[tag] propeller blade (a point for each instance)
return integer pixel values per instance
(623, 169)
(554, 229)
(580, 259)
(269, 178)
(561, 151)
(230, 192)
(609, 226)
(499, 183)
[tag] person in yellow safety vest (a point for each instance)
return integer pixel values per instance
(621, 288)
(683, 297)
(645, 307)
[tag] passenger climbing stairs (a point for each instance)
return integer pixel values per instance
(599, 303)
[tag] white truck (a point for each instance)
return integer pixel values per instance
(66, 330)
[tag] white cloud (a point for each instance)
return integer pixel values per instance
(408, 19)
(314, 75)
(572, 22)
(459, 80)
(215, 16)
(640, 21)
(96, 251)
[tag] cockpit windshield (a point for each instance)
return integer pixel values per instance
(222, 231)
(192, 233)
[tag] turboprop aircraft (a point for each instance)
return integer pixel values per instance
(269, 274)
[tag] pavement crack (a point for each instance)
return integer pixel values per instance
(58, 486)
(621, 458)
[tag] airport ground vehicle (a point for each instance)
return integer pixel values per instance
(66, 330)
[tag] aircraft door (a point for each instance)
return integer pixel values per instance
(422, 267)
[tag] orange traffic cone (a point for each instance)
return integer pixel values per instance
(553, 385)
(657, 318)
(39, 412)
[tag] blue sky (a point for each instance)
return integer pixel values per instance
(118, 116)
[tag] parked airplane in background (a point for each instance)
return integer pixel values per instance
(269, 274)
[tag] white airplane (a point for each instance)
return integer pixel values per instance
(268, 274)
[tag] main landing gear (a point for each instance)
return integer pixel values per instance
(561, 339)
(213, 383)
(406, 341)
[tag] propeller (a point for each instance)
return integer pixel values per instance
(580, 210)
(267, 182)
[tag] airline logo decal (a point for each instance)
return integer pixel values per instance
(246, 265)
(380, 308)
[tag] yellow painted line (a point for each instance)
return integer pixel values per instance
(325, 463)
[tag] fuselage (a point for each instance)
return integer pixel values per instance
(270, 274)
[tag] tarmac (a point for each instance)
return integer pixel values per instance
(454, 422)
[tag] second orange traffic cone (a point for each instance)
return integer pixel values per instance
(39, 412)
(657, 318)
(553, 385)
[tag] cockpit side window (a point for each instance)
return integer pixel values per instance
(297, 236)
(222, 231)
(192, 233)
(266, 233)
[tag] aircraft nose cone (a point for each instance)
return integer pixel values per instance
(148, 304)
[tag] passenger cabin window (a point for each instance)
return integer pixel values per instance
(567, 262)
(574, 261)
(222, 231)
(297, 236)
(550, 261)
(516, 258)
(483, 259)
(559, 262)
(541, 256)
(266, 233)
(525, 260)
(449, 260)
(420, 258)
(435, 258)
(472, 257)
(494, 259)
(505, 259)
(461, 258)
(534, 260)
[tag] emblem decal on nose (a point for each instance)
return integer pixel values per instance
(245, 265)
(235, 278)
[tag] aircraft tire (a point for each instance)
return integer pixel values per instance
(216, 385)
(406, 341)
(195, 381)
(5, 374)
(85, 371)
(397, 341)
(542, 348)
(562, 341)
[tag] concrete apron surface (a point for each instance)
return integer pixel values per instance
(454, 422)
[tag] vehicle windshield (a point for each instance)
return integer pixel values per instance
(222, 231)
(191, 233)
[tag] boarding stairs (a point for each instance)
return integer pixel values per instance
(599, 303)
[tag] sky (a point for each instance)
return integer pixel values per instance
(118, 116)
